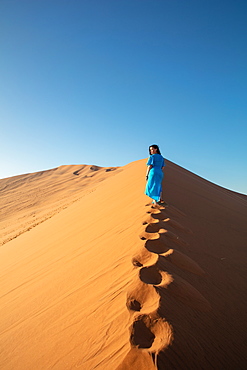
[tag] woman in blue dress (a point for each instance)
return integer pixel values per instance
(154, 175)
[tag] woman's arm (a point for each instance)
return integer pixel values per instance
(148, 169)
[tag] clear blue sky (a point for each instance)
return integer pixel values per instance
(98, 81)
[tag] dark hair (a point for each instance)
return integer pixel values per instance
(155, 147)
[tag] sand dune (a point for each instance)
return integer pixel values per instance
(93, 277)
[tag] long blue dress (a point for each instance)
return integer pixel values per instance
(154, 183)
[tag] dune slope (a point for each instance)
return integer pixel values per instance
(27, 200)
(109, 282)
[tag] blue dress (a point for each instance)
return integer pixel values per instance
(155, 176)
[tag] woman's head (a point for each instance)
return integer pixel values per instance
(154, 149)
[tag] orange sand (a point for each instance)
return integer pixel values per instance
(93, 277)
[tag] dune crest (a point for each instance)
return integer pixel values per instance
(109, 282)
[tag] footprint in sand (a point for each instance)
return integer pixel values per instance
(153, 275)
(144, 258)
(150, 275)
(142, 298)
(145, 235)
(150, 332)
(159, 245)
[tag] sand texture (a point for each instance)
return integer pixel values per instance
(95, 277)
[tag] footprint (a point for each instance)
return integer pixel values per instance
(134, 305)
(155, 227)
(142, 298)
(144, 258)
(158, 246)
(141, 336)
(152, 275)
(159, 213)
(148, 236)
(151, 332)
(150, 220)
(153, 210)
(161, 242)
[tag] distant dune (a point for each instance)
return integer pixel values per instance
(93, 277)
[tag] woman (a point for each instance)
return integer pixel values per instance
(154, 175)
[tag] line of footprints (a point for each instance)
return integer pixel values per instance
(150, 333)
